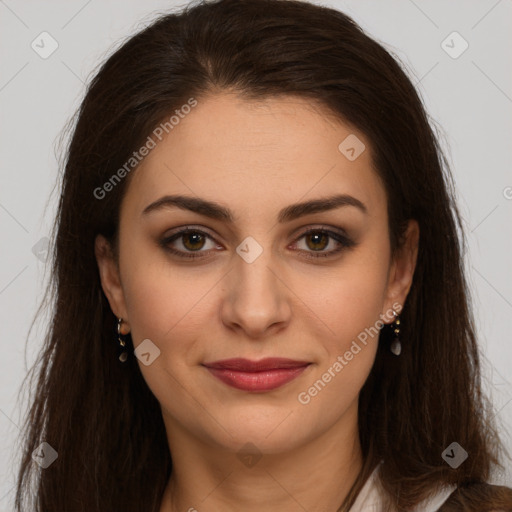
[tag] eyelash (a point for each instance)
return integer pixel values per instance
(344, 242)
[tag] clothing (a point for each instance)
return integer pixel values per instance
(369, 498)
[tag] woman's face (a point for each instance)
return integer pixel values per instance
(260, 287)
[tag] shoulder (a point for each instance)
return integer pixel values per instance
(436, 500)
(372, 497)
(474, 497)
(479, 497)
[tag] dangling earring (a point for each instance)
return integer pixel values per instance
(396, 346)
(122, 344)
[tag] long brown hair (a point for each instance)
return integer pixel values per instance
(99, 414)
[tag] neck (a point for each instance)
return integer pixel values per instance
(315, 476)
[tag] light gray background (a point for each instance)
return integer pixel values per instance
(470, 97)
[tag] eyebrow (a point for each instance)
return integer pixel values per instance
(218, 212)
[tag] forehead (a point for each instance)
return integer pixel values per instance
(251, 153)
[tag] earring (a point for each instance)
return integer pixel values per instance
(396, 346)
(122, 344)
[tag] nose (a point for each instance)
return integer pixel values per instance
(256, 300)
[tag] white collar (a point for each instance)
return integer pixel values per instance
(369, 498)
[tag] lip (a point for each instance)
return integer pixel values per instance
(257, 376)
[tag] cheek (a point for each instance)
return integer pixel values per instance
(354, 305)
(161, 304)
(352, 309)
(159, 294)
(350, 305)
(348, 300)
(166, 308)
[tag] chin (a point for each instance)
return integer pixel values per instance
(269, 431)
(247, 441)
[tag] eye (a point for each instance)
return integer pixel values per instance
(316, 240)
(191, 240)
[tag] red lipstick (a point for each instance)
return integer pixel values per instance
(263, 375)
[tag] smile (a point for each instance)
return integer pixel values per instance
(256, 376)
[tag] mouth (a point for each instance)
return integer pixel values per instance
(256, 376)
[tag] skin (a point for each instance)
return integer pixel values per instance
(255, 158)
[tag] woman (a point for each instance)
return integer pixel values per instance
(259, 290)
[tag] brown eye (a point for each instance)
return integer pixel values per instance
(189, 243)
(193, 240)
(319, 241)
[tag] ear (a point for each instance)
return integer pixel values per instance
(402, 271)
(110, 277)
